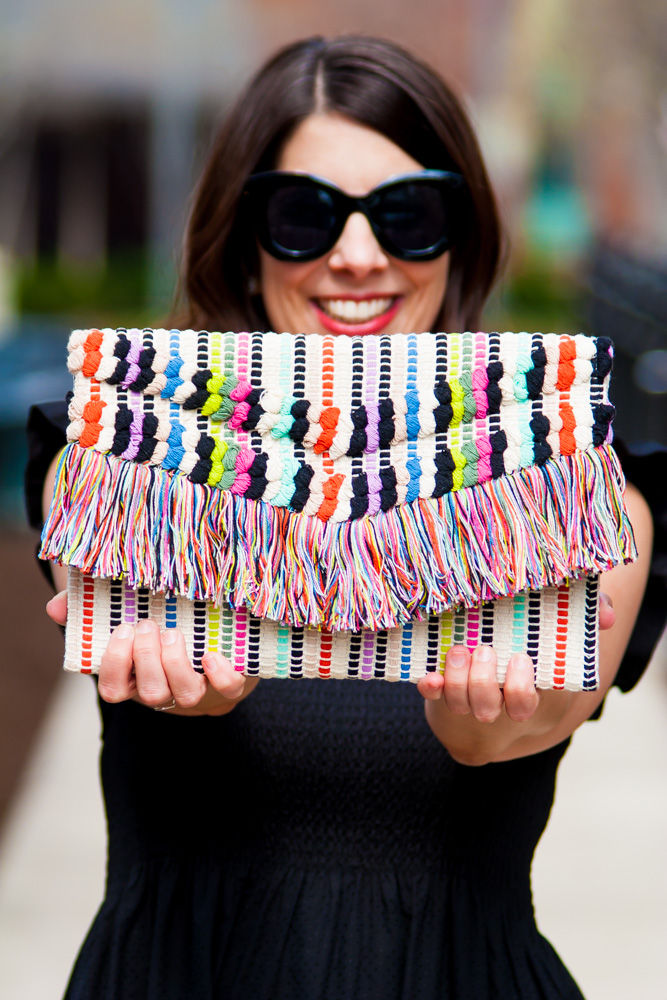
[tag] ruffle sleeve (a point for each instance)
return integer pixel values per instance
(647, 470)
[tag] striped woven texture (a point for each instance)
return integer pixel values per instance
(346, 506)
(338, 427)
(556, 626)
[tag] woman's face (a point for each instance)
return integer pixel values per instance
(357, 287)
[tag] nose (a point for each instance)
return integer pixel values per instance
(357, 251)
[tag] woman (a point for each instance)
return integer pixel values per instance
(332, 840)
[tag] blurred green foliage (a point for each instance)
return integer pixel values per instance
(539, 295)
(112, 295)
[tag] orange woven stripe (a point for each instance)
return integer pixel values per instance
(93, 357)
(329, 422)
(567, 354)
(331, 489)
(325, 654)
(568, 445)
(92, 412)
(561, 637)
(327, 395)
(87, 626)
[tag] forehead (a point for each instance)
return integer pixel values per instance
(353, 156)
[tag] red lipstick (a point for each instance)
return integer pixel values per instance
(374, 325)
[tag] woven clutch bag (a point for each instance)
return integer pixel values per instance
(335, 506)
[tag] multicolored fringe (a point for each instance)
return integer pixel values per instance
(557, 627)
(537, 528)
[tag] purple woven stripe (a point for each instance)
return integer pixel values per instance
(133, 372)
(371, 381)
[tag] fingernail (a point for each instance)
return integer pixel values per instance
(457, 659)
(145, 625)
(521, 663)
(168, 637)
(606, 599)
(484, 653)
(123, 631)
(208, 662)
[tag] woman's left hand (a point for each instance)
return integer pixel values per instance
(469, 685)
(480, 721)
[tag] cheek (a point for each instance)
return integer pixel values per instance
(286, 289)
(281, 280)
(437, 280)
(430, 281)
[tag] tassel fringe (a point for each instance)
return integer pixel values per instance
(536, 528)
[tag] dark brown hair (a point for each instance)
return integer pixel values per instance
(370, 81)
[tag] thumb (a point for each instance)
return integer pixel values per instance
(57, 608)
(230, 683)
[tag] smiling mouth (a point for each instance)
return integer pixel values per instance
(354, 310)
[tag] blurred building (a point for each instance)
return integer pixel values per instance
(106, 111)
(102, 108)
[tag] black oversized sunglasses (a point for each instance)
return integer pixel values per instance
(300, 217)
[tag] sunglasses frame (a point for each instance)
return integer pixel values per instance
(260, 186)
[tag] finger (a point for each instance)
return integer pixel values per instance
(486, 698)
(152, 685)
(116, 680)
(519, 691)
(431, 686)
(457, 667)
(57, 608)
(230, 683)
(607, 613)
(187, 686)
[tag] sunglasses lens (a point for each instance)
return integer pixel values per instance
(413, 218)
(300, 219)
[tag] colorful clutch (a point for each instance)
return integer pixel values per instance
(335, 506)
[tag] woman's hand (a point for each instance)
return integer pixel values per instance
(469, 685)
(476, 718)
(153, 668)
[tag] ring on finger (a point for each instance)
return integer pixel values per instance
(165, 708)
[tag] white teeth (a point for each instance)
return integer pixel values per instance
(352, 311)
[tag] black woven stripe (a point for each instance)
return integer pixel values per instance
(354, 655)
(258, 480)
(296, 653)
(143, 599)
(590, 632)
(254, 632)
(380, 668)
(198, 634)
(432, 643)
(498, 446)
(535, 377)
(533, 638)
(445, 466)
(122, 423)
(120, 351)
(359, 501)
(388, 493)
(302, 487)
(486, 631)
(115, 604)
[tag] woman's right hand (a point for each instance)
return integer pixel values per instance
(153, 668)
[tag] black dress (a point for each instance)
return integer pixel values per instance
(319, 843)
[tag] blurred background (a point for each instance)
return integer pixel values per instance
(106, 114)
